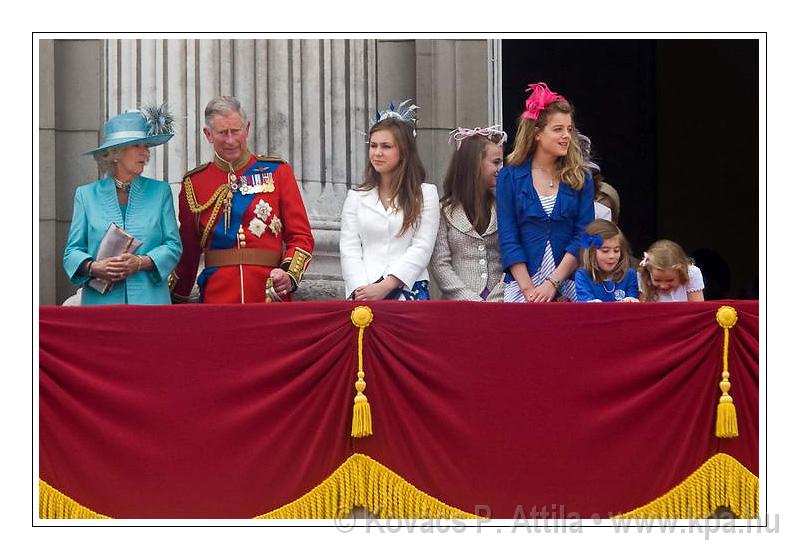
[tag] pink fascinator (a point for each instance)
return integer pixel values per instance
(540, 97)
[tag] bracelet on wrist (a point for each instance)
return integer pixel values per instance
(139, 264)
(89, 269)
(555, 282)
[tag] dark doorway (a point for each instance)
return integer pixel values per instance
(674, 124)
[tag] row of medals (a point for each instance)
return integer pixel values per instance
(235, 184)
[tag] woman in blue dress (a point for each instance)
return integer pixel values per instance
(142, 207)
(545, 199)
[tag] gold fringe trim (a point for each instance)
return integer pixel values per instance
(720, 481)
(55, 505)
(358, 482)
(361, 481)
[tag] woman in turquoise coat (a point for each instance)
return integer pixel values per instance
(143, 207)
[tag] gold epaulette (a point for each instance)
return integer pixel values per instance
(262, 157)
(196, 169)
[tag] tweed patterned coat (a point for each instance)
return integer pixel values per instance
(465, 263)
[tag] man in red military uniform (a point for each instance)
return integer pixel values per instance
(245, 215)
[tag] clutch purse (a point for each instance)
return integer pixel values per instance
(115, 242)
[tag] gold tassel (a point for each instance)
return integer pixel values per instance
(720, 481)
(727, 426)
(362, 416)
(726, 420)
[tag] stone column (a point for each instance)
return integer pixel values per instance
(71, 105)
(47, 175)
(452, 78)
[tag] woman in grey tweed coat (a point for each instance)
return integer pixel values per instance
(466, 258)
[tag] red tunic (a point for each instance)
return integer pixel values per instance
(266, 212)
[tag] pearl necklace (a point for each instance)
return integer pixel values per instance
(124, 187)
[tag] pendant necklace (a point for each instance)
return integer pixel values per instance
(550, 184)
(387, 201)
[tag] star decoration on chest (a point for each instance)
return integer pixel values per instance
(263, 210)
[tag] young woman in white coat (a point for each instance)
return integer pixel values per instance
(466, 261)
(389, 222)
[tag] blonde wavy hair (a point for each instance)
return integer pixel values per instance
(569, 168)
(662, 255)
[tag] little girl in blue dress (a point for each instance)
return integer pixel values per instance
(605, 273)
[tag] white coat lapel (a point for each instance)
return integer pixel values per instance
(372, 201)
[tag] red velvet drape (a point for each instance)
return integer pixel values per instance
(232, 411)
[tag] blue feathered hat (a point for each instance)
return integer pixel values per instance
(151, 126)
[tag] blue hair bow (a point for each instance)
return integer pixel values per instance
(588, 240)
